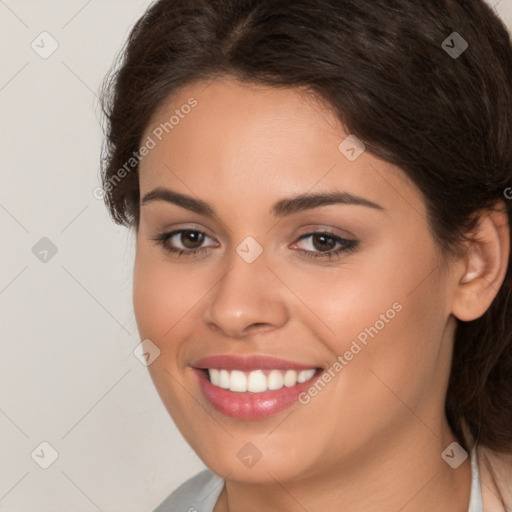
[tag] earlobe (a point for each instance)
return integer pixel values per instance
(486, 263)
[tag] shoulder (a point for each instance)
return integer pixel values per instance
(198, 494)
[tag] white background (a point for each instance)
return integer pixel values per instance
(67, 372)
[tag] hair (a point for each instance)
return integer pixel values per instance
(383, 69)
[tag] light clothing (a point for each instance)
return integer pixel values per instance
(201, 492)
(198, 494)
(475, 501)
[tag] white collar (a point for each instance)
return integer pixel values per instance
(475, 501)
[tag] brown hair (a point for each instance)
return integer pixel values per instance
(383, 68)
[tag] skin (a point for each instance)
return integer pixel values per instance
(372, 439)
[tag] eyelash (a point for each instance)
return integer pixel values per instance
(346, 245)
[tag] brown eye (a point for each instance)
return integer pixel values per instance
(325, 245)
(323, 242)
(183, 242)
(191, 239)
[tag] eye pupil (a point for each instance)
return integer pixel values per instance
(323, 245)
(189, 238)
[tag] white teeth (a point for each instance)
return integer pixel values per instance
(214, 377)
(256, 381)
(305, 375)
(237, 381)
(223, 379)
(275, 380)
(290, 378)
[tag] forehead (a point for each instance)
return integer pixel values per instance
(226, 138)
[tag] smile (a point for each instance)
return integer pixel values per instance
(258, 381)
(252, 387)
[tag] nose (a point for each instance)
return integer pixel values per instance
(248, 299)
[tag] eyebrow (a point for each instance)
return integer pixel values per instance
(281, 208)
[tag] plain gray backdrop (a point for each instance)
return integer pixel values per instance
(69, 378)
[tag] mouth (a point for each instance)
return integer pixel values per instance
(252, 387)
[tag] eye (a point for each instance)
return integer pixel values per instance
(191, 241)
(322, 245)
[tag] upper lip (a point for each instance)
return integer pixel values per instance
(248, 363)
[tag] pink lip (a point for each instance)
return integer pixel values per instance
(249, 406)
(248, 363)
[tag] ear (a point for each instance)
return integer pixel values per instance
(484, 265)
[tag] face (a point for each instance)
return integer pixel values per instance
(248, 285)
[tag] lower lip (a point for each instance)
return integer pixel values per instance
(249, 405)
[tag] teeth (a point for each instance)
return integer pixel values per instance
(215, 377)
(237, 381)
(223, 379)
(290, 378)
(256, 381)
(275, 380)
(305, 375)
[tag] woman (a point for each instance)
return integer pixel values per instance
(320, 192)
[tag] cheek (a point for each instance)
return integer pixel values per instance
(388, 325)
(343, 299)
(390, 302)
(161, 295)
(162, 298)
